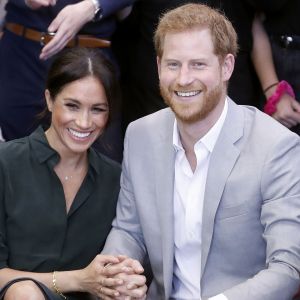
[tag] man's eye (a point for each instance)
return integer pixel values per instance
(172, 65)
(198, 65)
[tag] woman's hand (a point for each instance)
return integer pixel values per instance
(96, 280)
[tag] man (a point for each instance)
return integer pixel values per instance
(210, 191)
(140, 91)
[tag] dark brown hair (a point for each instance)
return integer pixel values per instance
(76, 63)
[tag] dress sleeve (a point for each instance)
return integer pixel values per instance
(3, 241)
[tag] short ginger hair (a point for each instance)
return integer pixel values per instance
(193, 16)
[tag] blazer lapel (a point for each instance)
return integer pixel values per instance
(164, 179)
(222, 160)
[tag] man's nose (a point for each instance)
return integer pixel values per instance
(184, 76)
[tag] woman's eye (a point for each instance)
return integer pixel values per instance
(71, 106)
(99, 109)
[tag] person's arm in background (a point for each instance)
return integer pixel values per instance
(287, 109)
(72, 18)
(2, 15)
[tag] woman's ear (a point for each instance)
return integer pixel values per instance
(49, 100)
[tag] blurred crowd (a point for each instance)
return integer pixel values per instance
(266, 70)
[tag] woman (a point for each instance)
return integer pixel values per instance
(58, 195)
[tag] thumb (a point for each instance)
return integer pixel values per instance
(53, 27)
(296, 105)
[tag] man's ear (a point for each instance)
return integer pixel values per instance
(158, 61)
(228, 66)
(49, 100)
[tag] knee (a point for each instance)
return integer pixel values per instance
(24, 290)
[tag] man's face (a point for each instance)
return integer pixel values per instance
(192, 79)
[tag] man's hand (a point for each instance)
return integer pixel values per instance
(288, 111)
(66, 25)
(134, 284)
(36, 4)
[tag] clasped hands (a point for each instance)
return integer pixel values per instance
(114, 277)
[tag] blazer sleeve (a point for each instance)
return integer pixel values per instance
(110, 7)
(280, 217)
(126, 235)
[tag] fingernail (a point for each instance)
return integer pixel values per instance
(116, 294)
(120, 282)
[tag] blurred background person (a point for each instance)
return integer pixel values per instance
(276, 56)
(2, 13)
(26, 49)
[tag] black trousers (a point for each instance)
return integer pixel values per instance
(49, 295)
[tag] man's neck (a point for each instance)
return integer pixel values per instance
(191, 133)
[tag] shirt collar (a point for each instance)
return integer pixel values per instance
(210, 138)
(43, 151)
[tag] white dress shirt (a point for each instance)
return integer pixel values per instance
(189, 188)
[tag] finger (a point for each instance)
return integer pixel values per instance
(107, 259)
(135, 281)
(122, 257)
(56, 23)
(108, 292)
(295, 116)
(115, 269)
(282, 120)
(137, 292)
(134, 264)
(296, 106)
(36, 4)
(111, 282)
(290, 121)
(53, 47)
(286, 124)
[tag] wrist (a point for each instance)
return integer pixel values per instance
(55, 286)
(80, 280)
(270, 87)
(282, 87)
(97, 10)
(268, 93)
(88, 8)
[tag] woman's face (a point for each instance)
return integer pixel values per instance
(79, 115)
